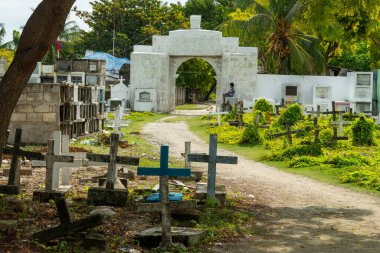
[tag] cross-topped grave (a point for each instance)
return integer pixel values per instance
(218, 113)
(118, 122)
(340, 123)
(212, 159)
(52, 189)
(164, 172)
(113, 192)
(13, 186)
(288, 132)
(68, 228)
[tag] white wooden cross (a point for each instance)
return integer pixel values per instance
(340, 123)
(118, 122)
(218, 113)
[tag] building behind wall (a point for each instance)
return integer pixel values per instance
(67, 96)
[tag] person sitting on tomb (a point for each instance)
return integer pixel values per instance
(230, 93)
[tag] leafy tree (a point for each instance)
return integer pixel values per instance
(289, 50)
(213, 12)
(34, 42)
(135, 22)
(198, 74)
(356, 58)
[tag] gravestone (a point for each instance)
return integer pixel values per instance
(288, 133)
(212, 159)
(165, 206)
(52, 189)
(218, 113)
(13, 186)
(113, 191)
(72, 230)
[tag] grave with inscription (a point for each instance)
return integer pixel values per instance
(113, 192)
(167, 234)
(212, 159)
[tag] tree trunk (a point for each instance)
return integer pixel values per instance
(39, 33)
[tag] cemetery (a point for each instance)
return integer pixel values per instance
(99, 159)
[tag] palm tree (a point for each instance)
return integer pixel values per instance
(288, 49)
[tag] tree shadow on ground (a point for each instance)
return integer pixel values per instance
(309, 229)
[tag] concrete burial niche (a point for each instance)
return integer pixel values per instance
(153, 68)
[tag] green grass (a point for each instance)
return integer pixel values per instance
(191, 107)
(323, 173)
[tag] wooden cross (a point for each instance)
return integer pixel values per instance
(257, 122)
(113, 193)
(13, 186)
(212, 159)
(118, 120)
(340, 123)
(338, 138)
(67, 227)
(318, 112)
(164, 172)
(218, 113)
(277, 107)
(288, 132)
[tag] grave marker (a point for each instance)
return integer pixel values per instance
(52, 189)
(340, 123)
(68, 228)
(212, 159)
(118, 121)
(288, 133)
(218, 113)
(164, 172)
(113, 192)
(13, 186)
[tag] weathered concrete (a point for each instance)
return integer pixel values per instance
(104, 196)
(151, 238)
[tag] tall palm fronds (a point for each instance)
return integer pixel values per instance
(284, 48)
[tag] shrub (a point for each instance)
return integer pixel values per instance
(292, 113)
(263, 105)
(262, 117)
(340, 161)
(227, 134)
(364, 178)
(251, 135)
(304, 161)
(326, 135)
(290, 152)
(363, 132)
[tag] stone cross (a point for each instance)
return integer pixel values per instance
(118, 120)
(288, 133)
(212, 159)
(114, 192)
(164, 172)
(340, 123)
(218, 113)
(13, 186)
(67, 227)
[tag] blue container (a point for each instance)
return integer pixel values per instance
(173, 196)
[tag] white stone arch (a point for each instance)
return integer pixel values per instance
(153, 68)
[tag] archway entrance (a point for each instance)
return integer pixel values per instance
(196, 82)
(154, 68)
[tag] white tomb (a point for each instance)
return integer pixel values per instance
(120, 92)
(153, 68)
(322, 97)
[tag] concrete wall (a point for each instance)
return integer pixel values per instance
(37, 113)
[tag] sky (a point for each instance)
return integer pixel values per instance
(15, 13)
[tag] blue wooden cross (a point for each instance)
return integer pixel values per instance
(164, 172)
(164, 169)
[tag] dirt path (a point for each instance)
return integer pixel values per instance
(300, 214)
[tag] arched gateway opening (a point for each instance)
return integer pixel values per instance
(154, 68)
(196, 81)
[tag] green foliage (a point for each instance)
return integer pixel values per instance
(134, 21)
(355, 59)
(292, 151)
(255, 113)
(292, 113)
(340, 161)
(251, 134)
(304, 161)
(140, 116)
(230, 116)
(363, 132)
(263, 105)
(364, 178)
(326, 135)
(227, 134)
